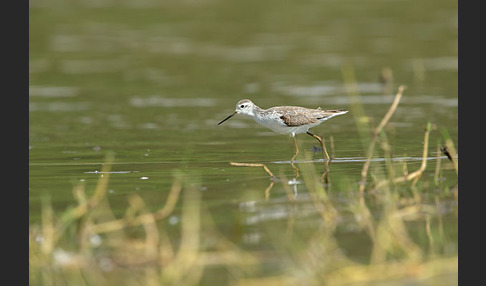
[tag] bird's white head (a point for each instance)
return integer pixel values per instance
(245, 106)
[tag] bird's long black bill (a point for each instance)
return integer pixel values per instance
(227, 118)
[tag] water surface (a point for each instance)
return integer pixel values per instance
(149, 82)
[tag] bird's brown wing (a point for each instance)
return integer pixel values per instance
(302, 116)
(297, 120)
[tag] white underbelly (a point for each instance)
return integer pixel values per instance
(280, 127)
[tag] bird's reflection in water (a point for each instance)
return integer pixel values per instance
(291, 186)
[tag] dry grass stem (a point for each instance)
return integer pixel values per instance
(437, 167)
(416, 174)
(376, 132)
(319, 197)
(143, 218)
(254, 165)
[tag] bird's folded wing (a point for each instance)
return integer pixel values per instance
(298, 119)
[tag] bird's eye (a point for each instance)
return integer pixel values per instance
(242, 106)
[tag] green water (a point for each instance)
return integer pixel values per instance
(149, 81)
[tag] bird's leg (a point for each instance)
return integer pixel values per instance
(322, 144)
(295, 155)
(296, 150)
(325, 175)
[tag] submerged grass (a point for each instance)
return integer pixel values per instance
(89, 245)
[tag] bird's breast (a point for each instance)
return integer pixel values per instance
(273, 123)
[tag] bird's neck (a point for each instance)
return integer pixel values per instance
(257, 112)
(257, 109)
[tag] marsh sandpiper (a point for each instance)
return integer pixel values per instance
(287, 119)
